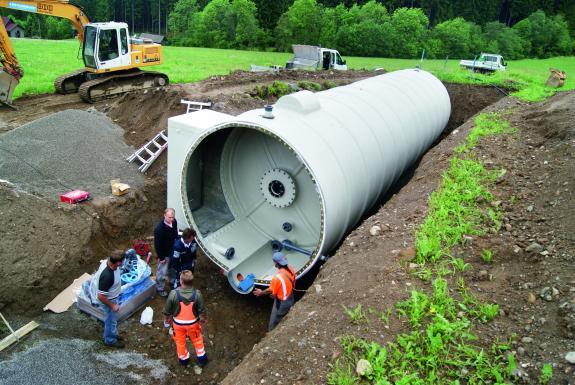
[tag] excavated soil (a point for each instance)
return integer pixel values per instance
(46, 244)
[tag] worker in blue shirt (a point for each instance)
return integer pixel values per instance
(184, 257)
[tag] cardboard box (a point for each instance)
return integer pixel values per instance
(119, 188)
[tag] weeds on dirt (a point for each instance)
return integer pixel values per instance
(439, 349)
(546, 374)
(275, 90)
(454, 210)
(489, 124)
(328, 84)
(441, 345)
(487, 256)
(278, 89)
(356, 315)
(384, 316)
(310, 86)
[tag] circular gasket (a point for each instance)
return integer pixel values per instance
(129, 277)
(278, 188)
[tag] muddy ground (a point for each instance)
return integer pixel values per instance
(46, 244)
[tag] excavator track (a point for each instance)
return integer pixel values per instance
(119, 83)
(70, 82)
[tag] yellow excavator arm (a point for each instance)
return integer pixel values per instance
(12, 71)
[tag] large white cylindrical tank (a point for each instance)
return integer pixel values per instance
(301, 175)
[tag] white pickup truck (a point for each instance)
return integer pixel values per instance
(487, 62)
(315, 58)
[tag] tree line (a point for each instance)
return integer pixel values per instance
(392, 28)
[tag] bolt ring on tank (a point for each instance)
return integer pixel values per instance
(278, 188)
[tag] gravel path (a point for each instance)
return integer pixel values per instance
(71, 149)
(58, 361)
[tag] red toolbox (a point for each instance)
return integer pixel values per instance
(74, 196)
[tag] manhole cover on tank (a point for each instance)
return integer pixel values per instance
(278, 188)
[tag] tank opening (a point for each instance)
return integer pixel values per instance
(245, 188)
(276, 188)
(206, 198)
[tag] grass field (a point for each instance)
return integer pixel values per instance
(44, 60)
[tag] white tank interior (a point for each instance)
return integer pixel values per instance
(244, 189)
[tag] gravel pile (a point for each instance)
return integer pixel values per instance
(57, 362)
(69, 150)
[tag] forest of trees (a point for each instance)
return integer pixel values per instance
(386, 28)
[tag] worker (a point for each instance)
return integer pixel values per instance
(109, 289)
(281, 289)
(165, 234)
(184, 257)
(186, 313)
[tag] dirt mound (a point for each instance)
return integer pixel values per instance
(67, 150)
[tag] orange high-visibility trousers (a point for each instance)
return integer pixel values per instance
(195, 335)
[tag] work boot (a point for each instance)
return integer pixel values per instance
(118, 344)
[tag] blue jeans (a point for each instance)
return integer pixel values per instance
(162, 274)
(110, 323)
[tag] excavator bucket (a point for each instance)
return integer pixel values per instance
(7, 85)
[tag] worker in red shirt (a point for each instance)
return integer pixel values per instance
(281, 289)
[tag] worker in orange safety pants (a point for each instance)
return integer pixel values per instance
(186, 312)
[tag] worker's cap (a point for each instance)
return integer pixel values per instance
(280, 259)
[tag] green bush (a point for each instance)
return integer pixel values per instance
(310, 86)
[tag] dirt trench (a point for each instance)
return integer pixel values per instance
(47, 244)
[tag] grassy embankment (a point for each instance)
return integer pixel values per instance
(441, 344)
(45, 60)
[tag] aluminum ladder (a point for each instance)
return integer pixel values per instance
(150, 151)
(195, 106)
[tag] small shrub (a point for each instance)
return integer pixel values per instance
(310, 86)
(356, 315)
(487, 256)
(328, 84)
(459, 264)
(546, 374)
(277, 89)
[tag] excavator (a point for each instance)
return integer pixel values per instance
(112, 59)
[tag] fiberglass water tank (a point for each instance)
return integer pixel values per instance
(304, 175)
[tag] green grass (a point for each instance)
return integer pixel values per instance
(546, 374)
(45, 60)
(453, 209)
(487, 256)
(440, 346)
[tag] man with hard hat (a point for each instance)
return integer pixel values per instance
(281, 289)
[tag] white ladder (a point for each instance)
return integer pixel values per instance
(195, 106)
(150, 151)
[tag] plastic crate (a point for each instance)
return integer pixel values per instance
(126, 309)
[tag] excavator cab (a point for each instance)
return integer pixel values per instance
(106, 47)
